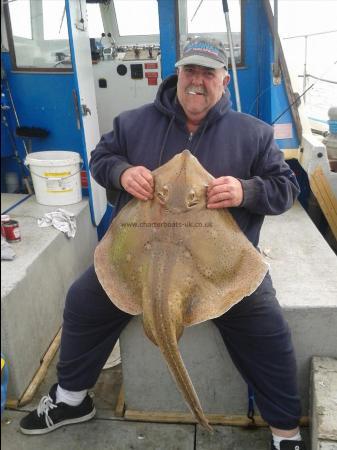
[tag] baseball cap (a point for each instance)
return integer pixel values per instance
(207, 52)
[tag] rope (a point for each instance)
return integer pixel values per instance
(320, 79)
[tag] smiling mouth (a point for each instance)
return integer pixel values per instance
(194, 93)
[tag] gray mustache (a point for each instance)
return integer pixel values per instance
(195, 91)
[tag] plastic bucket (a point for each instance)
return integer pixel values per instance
(56, 177)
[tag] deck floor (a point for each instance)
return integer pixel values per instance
(106, 431)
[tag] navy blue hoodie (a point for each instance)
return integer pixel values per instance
(226, 143)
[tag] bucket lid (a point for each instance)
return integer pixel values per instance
(53, 158)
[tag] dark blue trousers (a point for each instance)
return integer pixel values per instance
(254, 331)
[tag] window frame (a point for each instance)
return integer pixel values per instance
(11, 48)
(219, 36)
(136, 39)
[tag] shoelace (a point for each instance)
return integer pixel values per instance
(45, 405)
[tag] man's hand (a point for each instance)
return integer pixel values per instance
(138, 181)
(224, 192)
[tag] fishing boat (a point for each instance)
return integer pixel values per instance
(68, 68)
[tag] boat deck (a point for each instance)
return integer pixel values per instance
(303, 269)
(106, 431)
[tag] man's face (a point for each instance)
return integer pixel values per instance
(199, 89)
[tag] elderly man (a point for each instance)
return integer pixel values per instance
(192, 110)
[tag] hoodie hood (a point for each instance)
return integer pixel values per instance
(167, 103)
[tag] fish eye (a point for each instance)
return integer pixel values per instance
(163, 194)
(192, 198)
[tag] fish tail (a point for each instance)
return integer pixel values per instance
(179, 372)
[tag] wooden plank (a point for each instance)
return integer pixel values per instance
(12, 404)
(42, 370)
(325, 197)
(290, 153)
(315, 177)
(120, 405)
(320, 173)
(323, 181)
(314, 185)
(214, 419)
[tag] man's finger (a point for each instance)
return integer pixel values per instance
(219, 197)
(218, 188)
(144, 183)
(218, 181)
(147, 192)
(147, 175)
(222, 204)
(141, 195)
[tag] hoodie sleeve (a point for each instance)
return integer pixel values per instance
(273, 188)
(109, 159)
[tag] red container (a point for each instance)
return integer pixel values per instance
(10, 229)
(4, 218)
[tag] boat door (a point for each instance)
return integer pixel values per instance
(85, 98)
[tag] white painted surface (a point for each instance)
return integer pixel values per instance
(122, 92)
(34, 285)
(82, 56)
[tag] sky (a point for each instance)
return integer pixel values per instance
(298, 17)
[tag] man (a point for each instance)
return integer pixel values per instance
(191, 110)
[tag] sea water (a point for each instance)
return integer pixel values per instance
(319, 99)
(321, 63)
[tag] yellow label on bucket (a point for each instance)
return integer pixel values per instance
(59, 185)
(56, 174)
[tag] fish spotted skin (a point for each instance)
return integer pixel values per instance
(165, 298)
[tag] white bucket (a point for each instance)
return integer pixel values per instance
(56, 177)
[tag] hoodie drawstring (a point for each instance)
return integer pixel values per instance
(194, 151)
(167, 134)
(165, 140)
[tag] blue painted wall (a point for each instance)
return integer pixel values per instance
(44, 101)
(260, 96)
(168, 41)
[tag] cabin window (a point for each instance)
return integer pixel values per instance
(95, 23)
(54, 25)
(128, 13)
(207, 17)
(22, 24)
(38, 35)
